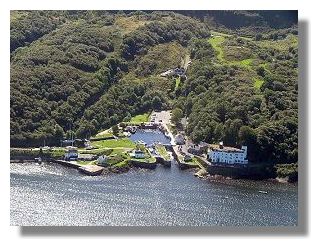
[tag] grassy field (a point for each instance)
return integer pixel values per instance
(114, 143)
(140, 118)
(216, 42)
(163, 152)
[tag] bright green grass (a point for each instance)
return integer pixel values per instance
(114, 143)
(177, 82)
(258, 83)
(140, 118)
(216, 42)
(246, 62)
(121, 164)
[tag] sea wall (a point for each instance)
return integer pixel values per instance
(142, 164)
(162, 161)
(250, 171)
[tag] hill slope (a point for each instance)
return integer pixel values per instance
(88, 70)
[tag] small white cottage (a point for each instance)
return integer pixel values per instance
(102, 160)
(71, 153)
(139, 154)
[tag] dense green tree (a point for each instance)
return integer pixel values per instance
(115, 130)
(176, 116)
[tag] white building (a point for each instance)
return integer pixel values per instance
(228, 155)
(71, 153)
(102, 160)
(138, 154)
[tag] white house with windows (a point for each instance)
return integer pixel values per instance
(102, 160)
(228, 155)
(138, 154)
(71, 153)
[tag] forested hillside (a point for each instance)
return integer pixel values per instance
(88, 70)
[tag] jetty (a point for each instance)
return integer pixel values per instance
(92, 170)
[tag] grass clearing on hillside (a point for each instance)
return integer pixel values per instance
(216, 41)
(129, 24)
(140, 118)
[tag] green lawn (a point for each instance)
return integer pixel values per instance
(121, 164)
(140, 118)
(114, 143)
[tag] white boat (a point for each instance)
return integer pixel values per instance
(262, 191)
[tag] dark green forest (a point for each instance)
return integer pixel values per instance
(85, 71)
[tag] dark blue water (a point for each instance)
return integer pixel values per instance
(49, 194)
(150, 137)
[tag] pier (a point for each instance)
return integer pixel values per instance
(87, 169)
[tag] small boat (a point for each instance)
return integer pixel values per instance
(141, 142)
(262, 192)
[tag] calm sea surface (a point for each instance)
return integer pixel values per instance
(49, 194)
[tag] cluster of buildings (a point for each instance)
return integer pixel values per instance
(216, 154)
